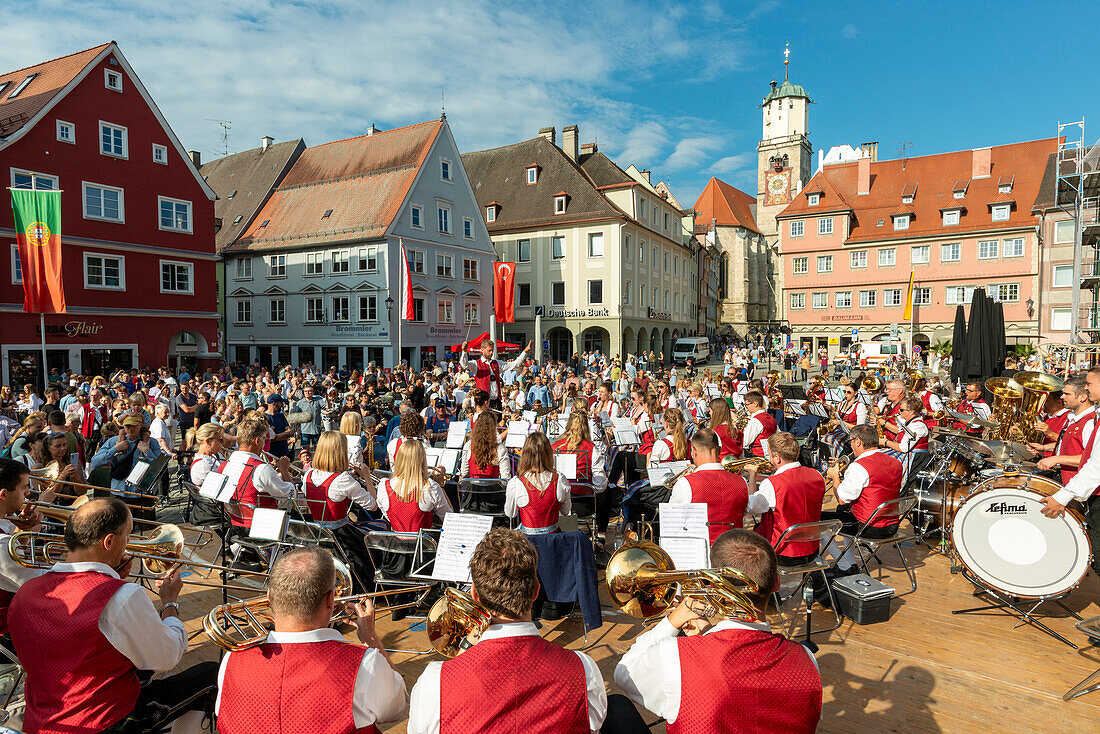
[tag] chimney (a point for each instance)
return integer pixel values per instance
(550, 134)
(870, 150)
(982, 162)
(196, 157)
(863, 183)
(266, 142)
(588, 149)
(645, 174)
(569, 141)
(371, 130)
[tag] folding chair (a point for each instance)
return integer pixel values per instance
(11, 683)
(1090, 627)
(485, 497)
(820, 532)
(418, 549)
(583, 499)
(896, 510)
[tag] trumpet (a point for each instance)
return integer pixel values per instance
(454, 620)
(272, 460)
(736, 466)
(841, 462)
(642, 581)
(245, 624)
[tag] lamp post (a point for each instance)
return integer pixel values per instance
(389, 317)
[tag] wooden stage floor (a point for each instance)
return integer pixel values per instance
(923, 670)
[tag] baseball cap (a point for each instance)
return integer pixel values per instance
(275, 398)
(131, 419)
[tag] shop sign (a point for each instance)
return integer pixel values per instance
(357, 331)
(448, 331)
(659, 315)
(843, 317)
(834, 341)
(565, 313)
(71, 329)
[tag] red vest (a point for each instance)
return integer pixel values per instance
(768, 421)
(489, 471)
(321, 508)
(1072, 445)
(646, 438)
(88, 419)
(776, 687)
(5, 602)
(485, 373)
(543, 509)
(726, 496)
(1055, 423)
(851, 415)
(884, 484)
(967, 407)
(482, 690)
(281, 689)
(405, 516)
(922, 442)
(247, 494)
(892, 412)
(799, 494)
(583, 453)
(731, 442)
(77, 682)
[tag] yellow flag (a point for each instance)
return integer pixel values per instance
(908, 315)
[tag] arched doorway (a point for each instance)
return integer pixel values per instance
(561, 342)
(595, 338)
(655, 342)
(627, 343)
(643, 342)
(186, 348)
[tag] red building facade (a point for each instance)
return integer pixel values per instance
(137, 229)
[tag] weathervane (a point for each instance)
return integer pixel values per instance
(786, 61)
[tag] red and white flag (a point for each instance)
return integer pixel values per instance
(504, 291)
(407, 311)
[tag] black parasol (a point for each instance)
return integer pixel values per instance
(958, 347)
(998, 337)
(978, 357)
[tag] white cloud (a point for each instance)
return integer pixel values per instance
(732, 164)
(327, 70)
(849, 31)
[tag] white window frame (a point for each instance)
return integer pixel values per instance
(346, 309)
(1064, 227)
(798, 301)
(842, 299)
(955, 295)
(364, 299)
(59, 124)
(471, 269)
(121, 202)
(416, 217)
(901, 222)
(121, 272)
(992, 252)
(466, 304)
(954, 248)
(1054, 276)
(798, 228)
(559, 205)
(553, 287)
(16, 265)
(276, 261)
(443, 218)
(34, 175)
(951, 217)
(341, 256)
(281, 300)
(854, 258)
(490, 214)
(445, 303)
(925, 256)
(315, 264)
(238, 267)
(890, 254)
(319, 313)
(467, 228)
(593, 237)
(125, 140)
(416, 261)
(363, 258)
(804, 262)
(441, 259)
(825, 226)
(588, 292)
(189, 229)
(1001, 288)
(532, 175)
(237, 321)
(559, 238)
(163, 150)
(813, 199)
(824, 263)
(626, 293)
(519, 251)
(446, 171)
(919, 293)
(1001, 212)
(814, 299)
(1014, 241)
(190, 267)
(109, 74)
(892, 297)
(1066, 313)
(868, 299)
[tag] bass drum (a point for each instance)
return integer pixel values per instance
(932, 501)
(1002, 538)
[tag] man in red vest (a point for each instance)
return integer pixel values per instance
(487, 370)
(82, 634)
(1085, 484)
(972, 404)
(761, 424)
(872, 478)
(726, 495)
(257, 483)
(306, 675)
(511, 679)
(1056, 415)
(15, 490)
(726, 675)
(1072, 438)
(792, 495)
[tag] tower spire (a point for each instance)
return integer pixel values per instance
(786, 62)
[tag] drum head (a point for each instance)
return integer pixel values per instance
(1002, 538)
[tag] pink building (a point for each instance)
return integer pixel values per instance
(850, 239)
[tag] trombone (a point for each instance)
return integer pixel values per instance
(642, 582)
(245, 624)
(61, 513)
(40, 476)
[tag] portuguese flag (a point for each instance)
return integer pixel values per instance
(38, 231)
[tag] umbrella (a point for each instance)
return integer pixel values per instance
(977, 358)
(998, 334)
(958, 346)
(475, 344)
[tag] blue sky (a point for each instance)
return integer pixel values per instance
(672, 87)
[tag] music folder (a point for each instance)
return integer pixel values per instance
(268, 524)
(456, 434)
(217, 487)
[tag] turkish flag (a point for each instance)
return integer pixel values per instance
(504, 292)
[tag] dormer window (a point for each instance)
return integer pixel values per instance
(908, 193)
(951, 218)
(814, 199)
(901, 221)
(560, 200)
(907, 200)
(491, 211)
(1001, 212)
(532, 174)
(959, 189)
(1004, 186)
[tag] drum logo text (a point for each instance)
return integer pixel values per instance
(1003, 508)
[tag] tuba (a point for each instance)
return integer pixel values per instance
(912, 377)
(1007, 397)
(1036, 387)
(872, 384)
(454, 620)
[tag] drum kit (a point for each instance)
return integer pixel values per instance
(984, 500)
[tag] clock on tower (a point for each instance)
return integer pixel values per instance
(778, 187)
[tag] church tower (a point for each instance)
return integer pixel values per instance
(785, 154)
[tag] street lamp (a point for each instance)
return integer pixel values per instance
(389, 307)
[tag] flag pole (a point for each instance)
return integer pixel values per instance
(42, 333)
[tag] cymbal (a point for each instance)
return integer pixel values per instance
(939, 431)
(973, 419)
(1009, 452)
(980, 447)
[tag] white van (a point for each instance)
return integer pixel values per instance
(695, 347)
(878, 354)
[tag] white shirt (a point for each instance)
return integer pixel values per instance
(12, 575)
(265, 479)
(504, 461)
(982, 409)
(344, 487)
(752, 429)
(132, 624)
(160, 431)
(856, 479)
(516, 495)
(681, 491)
(610, 407)
(911, 432)
(201, 466)
(424, 706)
(763, 499)
(434, 499)
(1080, 487)
(515, 364)
(861, 413)
(649, 672)
(391, 447)
(1086, 430)
(662, 452)
(355, 451)
(379, 695)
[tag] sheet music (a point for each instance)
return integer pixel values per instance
(517, 434)
(460, 536)
(714, 391)
(555, 427)
(268, 524)
(530, 416)
(627, 436)
(135, 475)
(687, 554)
(683, 520)
(215, 485)
(834, 395)
(658, 474)
(620, 422)
(431, 456)
(448, 459)
(566, 464)
(456, 434)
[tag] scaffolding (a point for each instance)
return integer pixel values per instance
(1077, 194)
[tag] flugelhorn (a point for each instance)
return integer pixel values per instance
(456, 617)
(642, 582)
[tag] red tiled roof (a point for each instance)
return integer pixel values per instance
(937, 176)
(363, 180)
(729, 206)
(52, 76)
